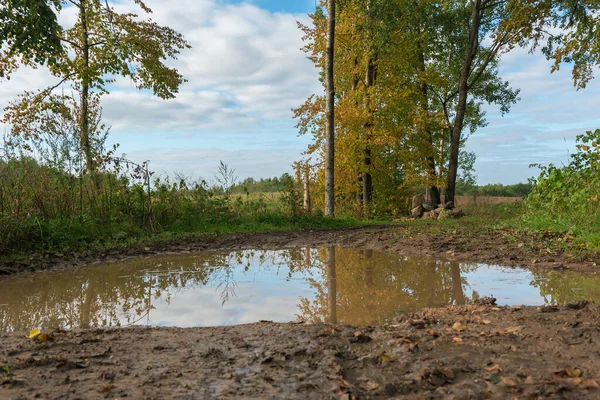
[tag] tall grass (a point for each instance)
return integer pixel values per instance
(49, 209)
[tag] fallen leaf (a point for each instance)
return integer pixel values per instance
(369, 385)
(573, 372)
(433, 333)
(530, 380)
(514, 330)
(510, 382)
(43, 337)
(107, 388)
(590, 384)
(34, 333)
(459, 327)
(457, 340)
(486, 321)
(495, 367)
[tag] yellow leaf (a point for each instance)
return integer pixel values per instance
(573, 372)
(42, 337)
(456, 340)
(34, 333)
(459, 327)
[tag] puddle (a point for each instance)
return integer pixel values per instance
(208, 289)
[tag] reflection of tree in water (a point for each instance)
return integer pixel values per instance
(123, 292)
(566, 287)
(356, 286)
(372, 287)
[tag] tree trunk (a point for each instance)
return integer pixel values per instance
(367, 179)
(331, 285)
(463, 94)
(434, 191)
(306, 185)
(84, 94)
(330, 114)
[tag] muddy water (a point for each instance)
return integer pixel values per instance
(206, 289)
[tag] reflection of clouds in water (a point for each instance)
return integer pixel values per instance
(188, 289)
(203, 308)
(509, 286)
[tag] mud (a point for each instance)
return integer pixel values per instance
(467, 241)
(470, 352)
(476, 351)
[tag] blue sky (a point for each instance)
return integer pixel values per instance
(246, 71)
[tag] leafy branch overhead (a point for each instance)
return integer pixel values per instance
(101, 45)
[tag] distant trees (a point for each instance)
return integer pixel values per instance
(263, 185)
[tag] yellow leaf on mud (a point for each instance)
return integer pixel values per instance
(514, 330)
(510, 382)
(573, 372)
(43, 337)
(34, 333)
(486, 321)
(456, 340)
(459, 327)
(495, 367)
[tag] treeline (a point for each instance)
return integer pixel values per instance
(405, 83)
(494, 189)
(263, 185)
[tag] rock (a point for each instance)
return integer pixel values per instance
(438, 210)
(433, 215)
(428, 206)
(417, 212)
(444, 214)
(458, 213)
(417, 201)
(426, 216)
(449, 205)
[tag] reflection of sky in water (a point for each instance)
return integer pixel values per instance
(266, 294)
(509, 286)
(259, 285)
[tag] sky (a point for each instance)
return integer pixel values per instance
(246, 72)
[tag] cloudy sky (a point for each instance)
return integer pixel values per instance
(246, 72)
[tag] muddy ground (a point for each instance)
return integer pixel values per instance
(470, 352)
(465, 240)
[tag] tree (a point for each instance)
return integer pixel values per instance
(28, 33)
(397, 64)
(330, 112)
(103, 44)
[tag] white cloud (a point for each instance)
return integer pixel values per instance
(541, 128)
